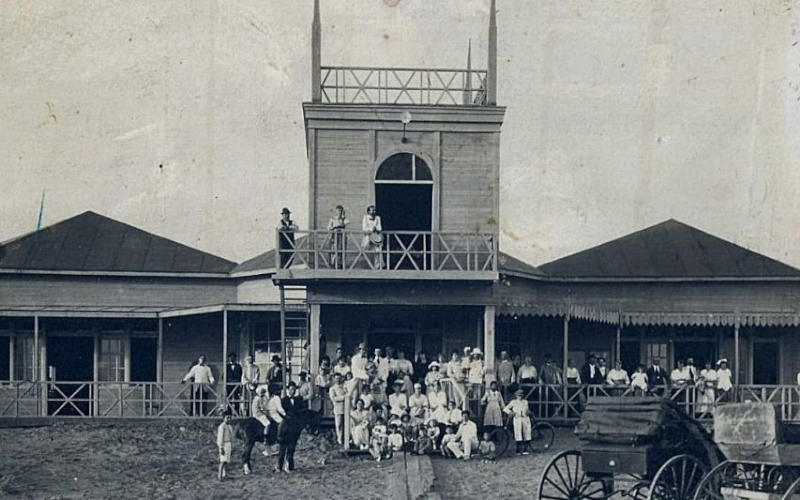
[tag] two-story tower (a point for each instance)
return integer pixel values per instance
(422, 146)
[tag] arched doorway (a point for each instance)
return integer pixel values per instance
(404, 201)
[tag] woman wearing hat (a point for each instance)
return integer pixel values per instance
(434, 374)
(286, 229)
(476, 373)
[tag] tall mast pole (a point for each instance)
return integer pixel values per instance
(491, 84)
(316, 56)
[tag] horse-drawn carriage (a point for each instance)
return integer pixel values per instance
(634, 447)
(763, 455)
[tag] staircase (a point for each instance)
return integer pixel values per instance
(294, 327)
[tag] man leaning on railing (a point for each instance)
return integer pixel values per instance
(202, 378)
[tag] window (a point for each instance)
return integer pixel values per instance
(404, 167)
(657, 351)
(112, 360)
(5, 358)
(23, 358)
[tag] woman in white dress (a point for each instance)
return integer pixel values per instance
(457, 379)
(418, 405)
(724, 377)
(437, 399)
(373, 239)
(707, 385)
(359, 417)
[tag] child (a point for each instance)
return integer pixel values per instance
(408, 430)
(224, 443)
(449, 436)
(493, 416)
(395, 440)
(453, 414)
(639, 381)
(433, 433)
(487, 449)
(426, 438)
(518, 408)
(378, 448)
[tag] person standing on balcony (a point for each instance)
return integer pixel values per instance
(373, 236)
(201, 377)
(724, 378)
(286, 229)
(707, 386)
(657, 378)
(250, 377)
(337, 225)
(506, 377)
(233, 393)
(476, 373)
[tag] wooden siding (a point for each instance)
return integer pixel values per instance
(41, 290)
(343, 175)
(403, 293)
(469, 182)
(257, 290)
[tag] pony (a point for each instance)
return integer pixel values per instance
(287, 434)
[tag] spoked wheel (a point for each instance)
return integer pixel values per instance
(542, 436)
(793, 492)
(747, 477)
(564, 479)
(711, 485)
(501, 439)
(677, 479)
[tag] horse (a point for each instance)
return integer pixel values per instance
(251, 431)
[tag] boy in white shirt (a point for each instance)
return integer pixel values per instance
(519, 409)
(224, 443)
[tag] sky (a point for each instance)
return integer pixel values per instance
(184, 117)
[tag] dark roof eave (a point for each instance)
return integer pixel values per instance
(147, 274)
(655, 279)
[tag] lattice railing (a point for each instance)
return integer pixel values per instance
(395, 251)
(366, 85)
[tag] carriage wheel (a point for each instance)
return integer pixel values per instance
(793, 490)
(710, 487)
(677, 479)
(501, 439)
(542, 436)
(564, 479)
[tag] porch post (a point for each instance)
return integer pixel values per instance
(566, 348)
(160, 351)
(488, 341)
(36, 369)
(224, 392)
(736, 351)
(314, 341)
(96, 371)
(619, 335)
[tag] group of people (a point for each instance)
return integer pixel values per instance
(372, 241)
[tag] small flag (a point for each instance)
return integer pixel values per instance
(41, 212)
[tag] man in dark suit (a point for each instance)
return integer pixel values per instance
(590, 373)
(657, 378)
(292, 404)
(602, 369)
(234, 390)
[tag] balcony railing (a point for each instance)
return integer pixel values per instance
(421, 251)
(365, 85)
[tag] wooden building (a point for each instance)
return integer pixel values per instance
(99, 318)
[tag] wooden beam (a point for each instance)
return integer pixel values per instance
(96, 368)
(619, 337)
(736, 350)
(11, 354)
(283, 335)
(566, 348)
(36, 369)
(316, 55)
(160, 351)
(491, 76)
(224, 391)
(314, 340)
(489, 341)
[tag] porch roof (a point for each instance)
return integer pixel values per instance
(94, 311)
(90, 242)
(667, 251)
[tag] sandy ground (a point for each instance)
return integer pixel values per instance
(169, 460)
(511, 477)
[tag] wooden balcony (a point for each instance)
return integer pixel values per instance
(347, 255)
(407, 86)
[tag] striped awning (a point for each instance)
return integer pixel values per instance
(551, 309)
(711, 319)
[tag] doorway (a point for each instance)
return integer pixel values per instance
(766, 360)
(404, 201)
(700, 351)
(629, 355)
(400, 341)
(70, 359)
(5, 358)
(143, 359)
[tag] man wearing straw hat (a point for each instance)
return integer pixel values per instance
(519, 410)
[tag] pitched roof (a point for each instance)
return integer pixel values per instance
(670, 249)
(93, 242)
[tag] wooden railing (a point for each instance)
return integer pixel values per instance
(397, 251)
(367, 85)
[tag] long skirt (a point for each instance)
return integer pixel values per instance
(360, 435)
(493, 415)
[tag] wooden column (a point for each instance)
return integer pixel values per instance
(736, 350)
(11, 353)
(316, 55)
(489, 341)
(96, 369)
(314, 341)
(284, 360)
(224, 391)
(566, 349)
(619, 336)
(160, 352)
(491, 74)
(36, 369)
